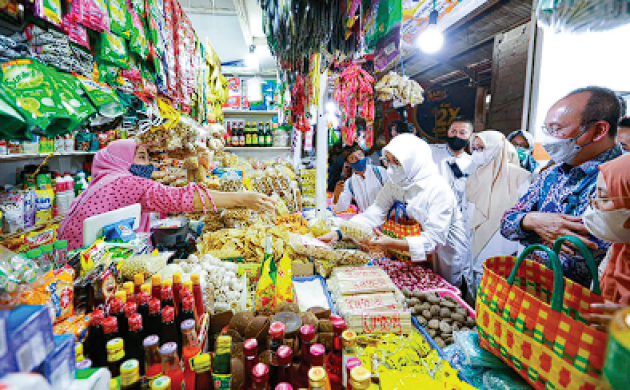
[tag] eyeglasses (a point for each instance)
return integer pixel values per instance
(561, 130)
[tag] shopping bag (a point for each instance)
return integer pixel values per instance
(532, 318)
(399, 225)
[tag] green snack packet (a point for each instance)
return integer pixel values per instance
(113, 49)
(138, 43)
(108, 73)
(76, 106)
(120, 18)
(102, 97)
(13, 124)
(139, 7)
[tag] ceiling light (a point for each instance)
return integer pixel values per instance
(431, 39)
(251, 59)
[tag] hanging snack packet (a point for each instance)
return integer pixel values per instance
(76, 106)
(285, 291)
(113, 49)
(140, 7)
(138, 43)
(59, 286)
(108, 74)
(121, 22)
(266, 288)
(13, 124)
(102, 97)
(49, 10)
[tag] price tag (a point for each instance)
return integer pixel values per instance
(382, 322)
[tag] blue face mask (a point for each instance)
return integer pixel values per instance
(142, 170)
(360, 165)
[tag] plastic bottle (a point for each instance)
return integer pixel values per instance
(152, 358)
(177, 286)
(115, 355)
(83, 184)
(60, 252)
(191, 348)
(250, 350)
(171, 366)
(197, 294)
(130, 375)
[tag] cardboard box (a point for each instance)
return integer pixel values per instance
(26, 337)
(234, 103)
(300, 269)
(60, 365)
(235, 86)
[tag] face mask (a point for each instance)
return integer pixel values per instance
(142, 170)
(522, 153)
(563, 150)
(456, 143)
(481, 158)
(359, 165)
(397, 174)
(607, 225)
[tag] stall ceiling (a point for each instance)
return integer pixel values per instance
(467, 52)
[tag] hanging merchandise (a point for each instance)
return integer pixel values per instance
(49, 10)
(402, 90)
(582, 15)
(355, 95)
(299, 105)
(120, 18)
(138, 42)
(112, 49)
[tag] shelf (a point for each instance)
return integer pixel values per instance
(254, 148)
(249, 112)
(27, 156)
(31, 229)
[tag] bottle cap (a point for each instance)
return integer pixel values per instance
(349, 338)
(201, 362)
(146, 288)
(177, 277)
(316, 376)
(339, 326)
(260, 373)
(150, 341)
(168, 348)
(61, 244)
(143, 298)
(353, 362)
(129, 372)
(277, 330)
(285, 355)
(360, 374)
(116, 306)
(168, 314)
(250, 347)
(167, 292)
(334, 317)
(161, 383)
(135, 322)
(154, 306)
(188, 285)
(97, 317)
(155, 280)
(110, 325)
(195, 278)
(307, 333)
(138, 279)
(47, 248)
(317, 350)
(121, 295)
(84, 364)
(130, 309)
(129, 288)
(188, 304)
(188, 324)
(166, 283)
(115, 349)
(284, 386)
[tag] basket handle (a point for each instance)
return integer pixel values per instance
(586, 253)
(557, 295)
(397, 206)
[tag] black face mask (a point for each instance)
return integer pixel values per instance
(456, 143)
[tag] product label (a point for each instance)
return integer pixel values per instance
(222, 381)
(382, 322)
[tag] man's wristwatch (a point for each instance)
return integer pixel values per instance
(339, 235)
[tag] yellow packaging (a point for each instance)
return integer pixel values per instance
(93, 254)
(285, 292)
(266, 289)
(44, 206)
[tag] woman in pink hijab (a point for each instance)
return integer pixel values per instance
(121, 177)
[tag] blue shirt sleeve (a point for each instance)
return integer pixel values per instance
(511, 227)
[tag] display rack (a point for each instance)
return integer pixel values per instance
(228, 111)
(265, 153)
(9, 236)
(27, 156)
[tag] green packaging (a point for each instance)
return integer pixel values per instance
(102, 97)
(113, 49)
(120, 18)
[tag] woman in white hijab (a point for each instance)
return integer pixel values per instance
(415, 181)
(494, 187)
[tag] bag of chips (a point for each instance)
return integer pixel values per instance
(49, 10)
(138, 42)
(120, 20)
(112, 49)
(102, 97)
(266, 289)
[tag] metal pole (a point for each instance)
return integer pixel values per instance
(321, 146)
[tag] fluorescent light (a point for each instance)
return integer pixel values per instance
(431, 39)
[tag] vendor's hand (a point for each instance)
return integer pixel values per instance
(381, 242)
(601, 321)
(257, 202)
(338, 189)
(329, 238)
(551, 226)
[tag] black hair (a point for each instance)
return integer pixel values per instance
(602, 105)
(351, 149)
(625, 122)
(464, 119)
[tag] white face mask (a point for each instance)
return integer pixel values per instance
(563, 150)
(607, 225)
(397, 174)
(481, 158)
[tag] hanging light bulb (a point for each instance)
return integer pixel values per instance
(251, 59)
(431, 39)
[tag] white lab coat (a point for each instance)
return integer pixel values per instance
(362, 190)
(435, 208)
(442, 156)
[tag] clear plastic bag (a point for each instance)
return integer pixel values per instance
(504, 380)
(457, 359)
(355, 231)
(468, 342)
(145, 264)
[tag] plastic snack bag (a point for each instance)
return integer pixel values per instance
(102, 97)
(113, 49)
(138, 43)
(285, 291)
(76, 106)
(49, 10)
(266, 289)
(59, 286)
(468, 342)
(12, 206)
(121, 22)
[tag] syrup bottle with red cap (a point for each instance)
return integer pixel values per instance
(285, 360)
(260, 377)
(276, 332)
(95, 339)
(250, 350)
(169, 327)
(133, 343)
(154, 325)
(142, 299)
(307, 334)
(334, 359)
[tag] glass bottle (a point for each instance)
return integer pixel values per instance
(116, 309)
(167, 296)
(110, 328)
(223, 363)
(169, 327)
(142, 300)
(260, 377)
(156, 286)
(95, 339)
(360, 378)
(134, 340)
(190, 349)
(334, 359)
(162, 383)
(307, 334)
(250, 350)
(203, 374)
(152, 358)
(115, 355)
(154, 326)
(129, 291)
(350, 364)
(177, 287)
(349, 339)
(138, 281)
(248, 134)
(255, 134)
(276, 332)
(317, 379)
(130, 375)
(317, 352)
(171, 366)
(285, 359)
(284, 386)
(187, 311)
